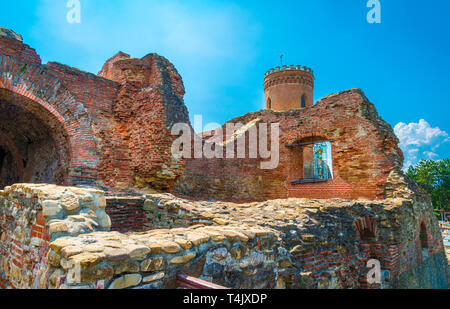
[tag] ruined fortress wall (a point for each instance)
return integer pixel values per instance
(117, 125)
(327, 243)
(31, 88)
(365, 151)
(31, 216)
(15, 48)
(149, 103)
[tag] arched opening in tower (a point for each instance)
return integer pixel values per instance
(34, 147)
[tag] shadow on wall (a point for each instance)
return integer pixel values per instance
(33, 145)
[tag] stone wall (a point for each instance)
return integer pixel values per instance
(31, 216)
(53, 235)
(327, 243)
(236, 257)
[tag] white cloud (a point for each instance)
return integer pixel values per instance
(419, 141)
(430, 155)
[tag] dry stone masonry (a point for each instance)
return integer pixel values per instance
(48, 232)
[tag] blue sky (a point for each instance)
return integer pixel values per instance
(223, 48)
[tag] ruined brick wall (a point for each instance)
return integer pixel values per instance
(26, 83)
(365, 151)
(149, 103)
(32, 148)
(113, 130)
(127, 214)
(11, 45)
(31, 216)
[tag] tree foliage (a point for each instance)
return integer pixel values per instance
(434, 178)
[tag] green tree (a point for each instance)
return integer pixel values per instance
(434, 178)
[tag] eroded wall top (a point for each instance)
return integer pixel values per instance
(117, 123)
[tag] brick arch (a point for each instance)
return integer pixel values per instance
(367, 229)
(46, 92)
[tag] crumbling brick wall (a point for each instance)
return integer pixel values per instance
(149, 103)
(117, 124)
(364, 150)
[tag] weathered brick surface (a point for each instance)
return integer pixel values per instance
(10, 46)
(149, 102)
(365, 151)
(44, 96)
(127, 214)
(115, 127)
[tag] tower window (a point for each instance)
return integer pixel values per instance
(303, 102)
(269, 103)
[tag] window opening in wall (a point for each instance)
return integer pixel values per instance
(423, 240)
(423, 236)
(367, 235)
(317, 161)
